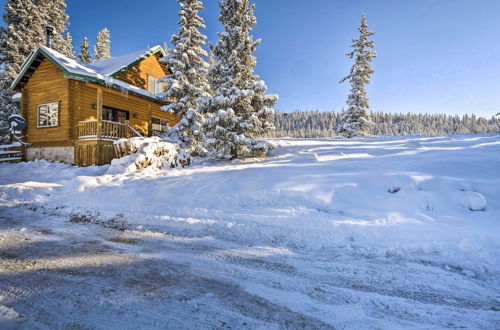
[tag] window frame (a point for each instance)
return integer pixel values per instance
(38, 114)
(163, 124)
(158, 85)
(154, 84)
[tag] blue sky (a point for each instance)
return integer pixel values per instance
(435, 56)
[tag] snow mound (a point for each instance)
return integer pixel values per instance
(473, 201)
(149, 153)
(7, 313)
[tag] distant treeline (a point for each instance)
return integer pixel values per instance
(315, 124)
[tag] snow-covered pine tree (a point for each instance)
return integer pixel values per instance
(24, 32)
(102, 48)
(66, 47)
(54, 13)
(84, 55)
(356, 120)
(315, 124)
(188, 82)
(7, 107)
(239, 111)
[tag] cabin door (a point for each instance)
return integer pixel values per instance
(114, 114)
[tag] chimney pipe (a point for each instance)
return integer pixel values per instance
(49, 32)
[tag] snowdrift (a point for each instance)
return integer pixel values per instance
(148, 153)
(415, 198)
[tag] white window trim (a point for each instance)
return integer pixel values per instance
(38, 114)
(154, 84)
(164, 125)
(158, 86)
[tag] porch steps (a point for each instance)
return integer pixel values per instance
(11, 153)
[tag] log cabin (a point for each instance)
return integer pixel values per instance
(75, 111)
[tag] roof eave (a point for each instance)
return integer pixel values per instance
(24, 68)
(75, 76)
(111, 85)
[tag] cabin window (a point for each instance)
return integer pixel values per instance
(152, 81)
(154, 86)
(159, 125)
(159, 87)
(48, 115)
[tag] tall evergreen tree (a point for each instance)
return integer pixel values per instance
(84, 55)
(102, 48)
(67, 46)
(54, 13)
(7, 107)
(356, 120)
(239, 111)
(188, 82)
(24, 32)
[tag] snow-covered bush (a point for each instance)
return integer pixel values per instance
(152, 153)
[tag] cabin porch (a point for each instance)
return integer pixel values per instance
(94, 145)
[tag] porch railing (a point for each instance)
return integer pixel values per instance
(110, 130)
(87, 129)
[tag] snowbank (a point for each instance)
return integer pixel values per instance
(148, 153)
(382, 233)
(434, 199)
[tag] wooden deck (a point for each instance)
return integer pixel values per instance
(95, 143)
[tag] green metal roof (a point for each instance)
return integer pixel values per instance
(79, 71)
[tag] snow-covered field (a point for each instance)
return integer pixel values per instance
(387, 233)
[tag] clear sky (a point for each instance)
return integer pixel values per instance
(435, 56)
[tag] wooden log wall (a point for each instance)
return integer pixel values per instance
(45, 86)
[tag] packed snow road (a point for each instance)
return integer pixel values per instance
(388, 233)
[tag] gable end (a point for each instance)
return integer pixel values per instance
(152, 52)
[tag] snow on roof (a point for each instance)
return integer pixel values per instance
(100, 72)
(116, 64)
(69, 64)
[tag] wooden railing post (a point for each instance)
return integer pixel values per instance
(99, 113)
(150, 120)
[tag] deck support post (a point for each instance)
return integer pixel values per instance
(99, 114)
(99, 127)
(150, 115)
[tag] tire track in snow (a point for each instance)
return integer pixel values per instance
(376, 294)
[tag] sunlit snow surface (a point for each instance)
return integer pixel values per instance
(389, 233)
